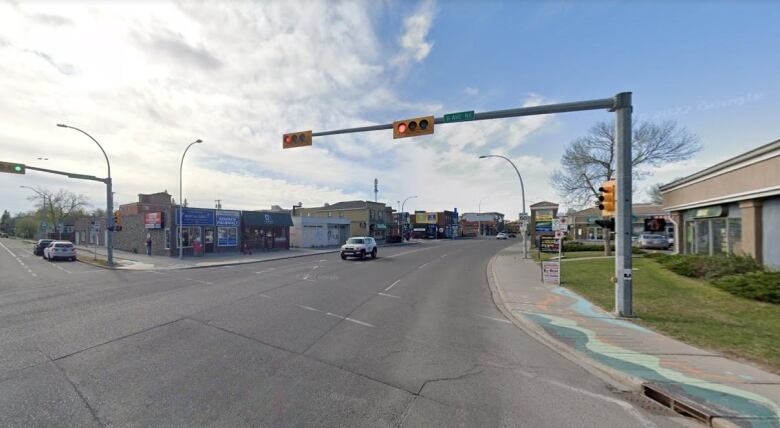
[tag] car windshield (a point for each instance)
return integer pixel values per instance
(355, 241)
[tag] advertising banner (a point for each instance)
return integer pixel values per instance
(551, 272)
(196, 217)
(153, 220)
(228, 218)
(426, 218)
(544, 221)
(548, 244)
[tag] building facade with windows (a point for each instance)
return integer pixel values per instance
(367, 218)
(732, 207)
(583, 227)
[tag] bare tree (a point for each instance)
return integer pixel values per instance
(655, 194)
(58, 206)
(590, 160)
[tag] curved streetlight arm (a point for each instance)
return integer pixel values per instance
(181, 200)
(404, 203)
(522, 186)
(61, 125)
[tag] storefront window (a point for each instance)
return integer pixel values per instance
(689, 233)
(227, 236)
(719, 236)
(703, 237)
(735, 235)
(189, 234)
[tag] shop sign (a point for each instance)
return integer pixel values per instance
(381, 226)
(716, 211)
(153, 220)
(228, 218)
(544, 221)
(548, 244)
(426, 218)
(195, 217)
(551, 272)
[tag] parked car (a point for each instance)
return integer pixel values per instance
(501, 235)
(3, 235)
(60, 250)
(653, 241)
(512, 235)
(40, 245)
(359, 246)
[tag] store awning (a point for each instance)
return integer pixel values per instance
(266, 218)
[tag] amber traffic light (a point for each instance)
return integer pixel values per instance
(607, 201)
(296, 139)
(413, 127)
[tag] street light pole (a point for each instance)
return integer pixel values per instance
(522, 190)
(402, 207)
(181, 201)
(109, 199)
(479, 218)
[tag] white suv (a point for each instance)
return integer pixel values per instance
(59, 250)
(359, 246)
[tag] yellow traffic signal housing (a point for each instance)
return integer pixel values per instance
(296, 139)
(12, 168)
(607, 199)
(413, 127)
(118, 220)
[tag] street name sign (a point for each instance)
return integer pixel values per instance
(462, 116)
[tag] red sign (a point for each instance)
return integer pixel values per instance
(153, 220)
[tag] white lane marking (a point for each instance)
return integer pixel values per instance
(315, 267)
(388, 295)
(199, 281)
(18, 260)
(61, 268)
(423, 265)
(322, 261)
(443, 256)
(494, 319)
(350, 319)
(265, 295)
(308, 308)
(263, 271)
(626, 406)
(392, 285)
(407, 252)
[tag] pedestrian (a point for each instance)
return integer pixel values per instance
(148, 244)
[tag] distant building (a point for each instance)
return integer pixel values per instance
(481, 224)
(732, 207)
(313, 232)
(542, 215)
(583, 227)
(367, 218)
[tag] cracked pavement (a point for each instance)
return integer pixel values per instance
(258, 345)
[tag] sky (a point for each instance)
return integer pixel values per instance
(146, 78)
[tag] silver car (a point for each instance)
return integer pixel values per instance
(659, 242)
(60, 250)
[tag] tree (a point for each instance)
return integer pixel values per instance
(5, 222)
(59, 205)
(655, 194)
(25, 227)
(590, 160)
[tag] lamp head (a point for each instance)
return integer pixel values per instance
(62, 125)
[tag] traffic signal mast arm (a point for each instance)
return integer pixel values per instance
(65, 173)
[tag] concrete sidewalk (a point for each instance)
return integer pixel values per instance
(702, 384)
(126, 260)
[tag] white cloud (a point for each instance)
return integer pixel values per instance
(414, 46)
(146, 79)
(468, 90)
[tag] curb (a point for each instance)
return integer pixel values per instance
(617, 379)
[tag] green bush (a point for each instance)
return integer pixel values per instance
(763, 286)
(571, 247)
(707, 267)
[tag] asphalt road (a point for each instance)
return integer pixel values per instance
(412, 338)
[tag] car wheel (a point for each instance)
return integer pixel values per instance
(373, 253)
(343, 256)
(73, 259)
(362, 254)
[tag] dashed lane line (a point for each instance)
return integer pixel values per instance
(18, 260)
(308, 308)
(330, 314)
(392, 285)
(423, 265)
(388, 295)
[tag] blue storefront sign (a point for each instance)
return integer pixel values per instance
(228, 218)
(196, 217)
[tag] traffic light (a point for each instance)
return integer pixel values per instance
(296, 139)
(12, 168)
(413, 127)
(607, 223)
(117, 220)
(607, 202)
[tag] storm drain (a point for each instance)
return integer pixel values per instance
(669, 401)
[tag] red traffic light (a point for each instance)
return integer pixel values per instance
(296, 139)
(413, 127)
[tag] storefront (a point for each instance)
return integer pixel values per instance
(205, 230)
(265, 231)
(730, 208)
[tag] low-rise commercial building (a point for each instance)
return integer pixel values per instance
(366, 218)
(583, 227)
(312, 232)
(265, 230)
(732, 207)
(480, 224)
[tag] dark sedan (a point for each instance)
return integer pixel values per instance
(40, 245)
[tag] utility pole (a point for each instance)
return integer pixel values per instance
(218, 204)
(623, 262)
(376, 189)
